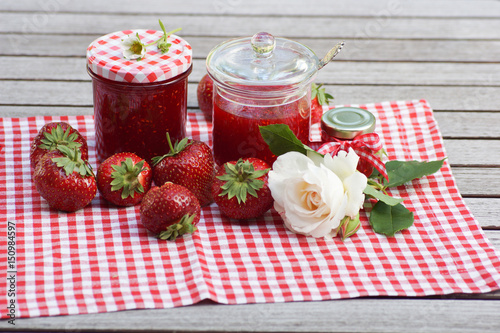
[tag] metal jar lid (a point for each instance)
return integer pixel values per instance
(347, 122)
(105, 58)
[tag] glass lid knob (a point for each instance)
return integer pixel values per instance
(263, 44)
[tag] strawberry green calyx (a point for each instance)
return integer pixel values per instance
(174, 149)
(57, 137)
(241, 179)
(184, 226)
(125, 177)
(322, 96)
(73, 162)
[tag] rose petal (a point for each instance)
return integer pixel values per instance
(354, 186)
(344, 164)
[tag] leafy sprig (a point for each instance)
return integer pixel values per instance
(135, 48)
(388, 215)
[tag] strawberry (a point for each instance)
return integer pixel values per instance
(189, 163)
(318, 98)
(205, 95)
(365, 167)
(124, 178)
(55, 134)
(241, 189)
(170, 211)
(64, 179)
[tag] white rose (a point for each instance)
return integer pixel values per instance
(344, 165)
(309, 198)
(313, 199)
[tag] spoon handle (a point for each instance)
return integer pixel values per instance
(330, 55)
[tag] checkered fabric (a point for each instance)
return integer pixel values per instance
(105, 58)
(365, 145)
(102, 259)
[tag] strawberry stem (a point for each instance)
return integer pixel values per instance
(126, 176)
(58, 137)
(241, 179)
(184, 226)
(174, 149)
(72, 162)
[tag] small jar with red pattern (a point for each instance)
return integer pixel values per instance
(137, 101)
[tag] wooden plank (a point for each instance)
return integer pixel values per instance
(354, 50)
(43, 93)
(468, 125)
(426, 8)
(337, 72)
(357, 27)
(478, 182)
(486, 211)
(482, 152)
(494, 237)
(353, 315)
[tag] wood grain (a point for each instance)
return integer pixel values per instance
(445, 98)
(353, 73)
(470, 51)
(335, 8)
(366, 314)
(220, 25)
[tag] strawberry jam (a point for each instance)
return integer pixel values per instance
(138, 98)
(236, 127)
(135, 117)
(259, 81)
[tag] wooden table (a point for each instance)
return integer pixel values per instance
(447, 52)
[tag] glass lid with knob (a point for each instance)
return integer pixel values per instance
(262, 60)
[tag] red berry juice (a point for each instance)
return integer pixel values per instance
(135, 117)
(236, 127)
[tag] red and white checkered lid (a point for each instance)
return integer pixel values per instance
(105, 58)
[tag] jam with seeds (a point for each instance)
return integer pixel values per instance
(135, 117)
(236, 127)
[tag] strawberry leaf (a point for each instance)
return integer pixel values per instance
(320, 94)
(184, 226)
(57, 137)
(125, 177)
(241, 179)
(175, 149)
(72, 161)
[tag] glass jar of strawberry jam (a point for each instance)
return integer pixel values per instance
(259, 81)
(137, 101)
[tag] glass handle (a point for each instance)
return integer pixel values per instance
(263, 44)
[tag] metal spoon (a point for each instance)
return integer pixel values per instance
(330, 55)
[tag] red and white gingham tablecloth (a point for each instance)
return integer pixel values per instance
(102, 259)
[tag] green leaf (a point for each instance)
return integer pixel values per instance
(184, 226)
(241, 179)
(388, 220)
(391, 201)
(281, 140)
(401, 172)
